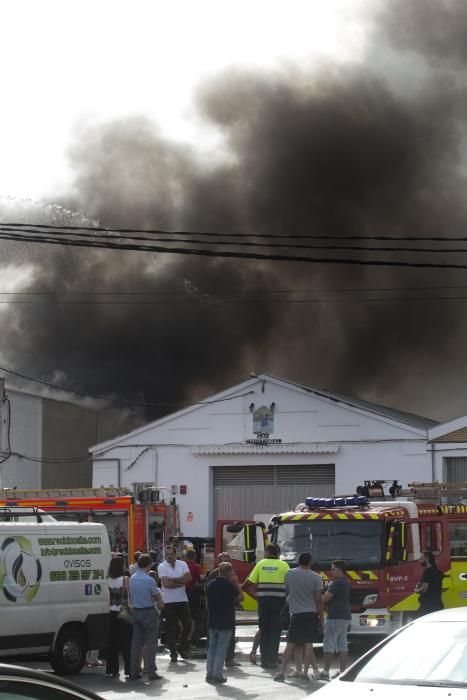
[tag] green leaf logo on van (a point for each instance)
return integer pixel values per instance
(20, 570)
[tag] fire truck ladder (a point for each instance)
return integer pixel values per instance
(438, 491)
(102, 492)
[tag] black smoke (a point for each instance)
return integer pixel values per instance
(343, 152)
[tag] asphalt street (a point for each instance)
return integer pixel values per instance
(185, 680)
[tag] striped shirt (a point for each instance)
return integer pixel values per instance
(269, 576)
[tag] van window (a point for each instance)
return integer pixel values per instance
(458, 539)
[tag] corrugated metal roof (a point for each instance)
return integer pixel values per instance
(391, 413)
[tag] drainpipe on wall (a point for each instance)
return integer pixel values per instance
(433, 476)
(156, 465)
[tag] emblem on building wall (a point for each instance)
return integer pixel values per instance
(263, 420)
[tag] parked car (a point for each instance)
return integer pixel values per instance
(427, 658)
(18, 683)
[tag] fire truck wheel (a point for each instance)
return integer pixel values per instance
(69, 652)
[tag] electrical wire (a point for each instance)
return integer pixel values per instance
(234, 254)
(212, 303)
(104, 229)
(117, 236)
(53, 460)
(121, 402)
(345, 290)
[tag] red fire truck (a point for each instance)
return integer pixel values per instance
(380, 540)
(143, 520)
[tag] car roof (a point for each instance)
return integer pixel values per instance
(50, 678)
(449, 615)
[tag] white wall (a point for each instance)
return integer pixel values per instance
(442, 450)
(25, 438)
(366, 447)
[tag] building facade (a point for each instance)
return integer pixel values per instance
(261, 447)
(44, 442)
(448, 446)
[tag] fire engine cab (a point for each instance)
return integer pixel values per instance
(144, 519)
(381, 542)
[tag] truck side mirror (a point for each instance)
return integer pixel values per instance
(249, 554)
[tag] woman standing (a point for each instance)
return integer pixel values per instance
(120, 632)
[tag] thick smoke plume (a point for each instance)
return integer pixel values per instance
(343, 152)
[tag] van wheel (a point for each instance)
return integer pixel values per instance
(69, 652)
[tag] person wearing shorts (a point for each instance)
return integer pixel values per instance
(337, 600)
(304, 590)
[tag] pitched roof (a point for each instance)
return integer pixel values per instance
(238, 390)
(393, 414)
(452, 431)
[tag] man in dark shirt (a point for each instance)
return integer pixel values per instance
(193, 589)
(337, 601)
(430, 587)
(225, 556)
(222, 597)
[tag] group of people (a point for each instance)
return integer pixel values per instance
(137, 604)
(279, 591)
(272, 582)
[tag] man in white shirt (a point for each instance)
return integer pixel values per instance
(174, 574)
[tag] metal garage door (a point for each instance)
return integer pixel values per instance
(241, 492)
(456, 470)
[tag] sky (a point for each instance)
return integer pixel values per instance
(68, 65)
(336, 118)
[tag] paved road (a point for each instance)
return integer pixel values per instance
(185, 680)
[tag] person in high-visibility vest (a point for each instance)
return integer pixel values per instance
(266, 583)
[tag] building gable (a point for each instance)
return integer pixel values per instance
(309, 414)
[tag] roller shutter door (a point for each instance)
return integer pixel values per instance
(241, 492)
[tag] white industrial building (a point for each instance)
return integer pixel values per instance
(44, 441)
(262, 446)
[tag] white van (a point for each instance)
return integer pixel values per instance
(53, 588)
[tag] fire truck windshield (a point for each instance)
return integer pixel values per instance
(359, 542)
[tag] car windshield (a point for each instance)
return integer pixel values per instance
(431, 653)
(359, 542)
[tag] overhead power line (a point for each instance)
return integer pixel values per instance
(208, 293)
(52, 460)
(223, 302)
(232, 234)
(112, 235)
(108, 245)
(121, 402)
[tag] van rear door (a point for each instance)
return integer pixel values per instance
(24, 589)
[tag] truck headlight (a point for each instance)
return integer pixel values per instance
(370, 599)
